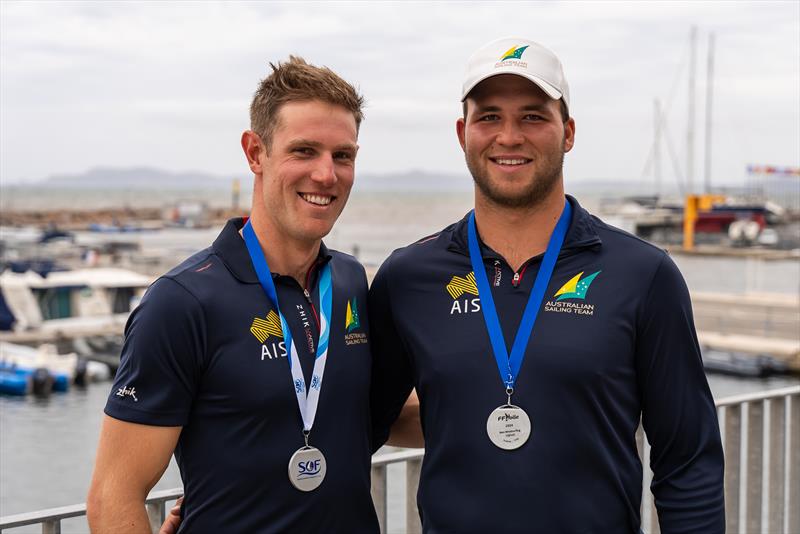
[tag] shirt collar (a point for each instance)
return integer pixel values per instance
(230, 246)
(581, 234)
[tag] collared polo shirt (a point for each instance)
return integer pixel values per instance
(614, 341)
(204, 350)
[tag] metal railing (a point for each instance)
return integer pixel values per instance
(760, 435)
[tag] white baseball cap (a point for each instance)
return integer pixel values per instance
(523, 57)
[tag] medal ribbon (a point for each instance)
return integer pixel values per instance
(307, 397)
(509, 365)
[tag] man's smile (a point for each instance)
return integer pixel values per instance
(510, 161)
(317, 199)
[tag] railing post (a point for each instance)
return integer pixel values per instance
(733, 458)
(156, 513)
(379, 492)
(777, 463)
(413, 468)
(52, 526)
(794, 464)
(755, 468)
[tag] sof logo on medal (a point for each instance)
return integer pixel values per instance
(269, 329)
(307, 469)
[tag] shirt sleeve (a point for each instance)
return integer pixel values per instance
(161, 358)
(392, 375)
(678, 411)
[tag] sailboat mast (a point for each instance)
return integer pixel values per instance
(709, 95)
(690, 108)
(657, 146)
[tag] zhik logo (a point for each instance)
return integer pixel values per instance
(126, 391)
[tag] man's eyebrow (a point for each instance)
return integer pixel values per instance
(536, 107)
(316, 144)
(305, 142)
(487, 109)
(528, 107)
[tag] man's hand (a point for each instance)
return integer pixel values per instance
(407, 430)
(173, 520)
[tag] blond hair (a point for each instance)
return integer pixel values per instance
(296, 80)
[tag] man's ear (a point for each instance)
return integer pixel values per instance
(461, 126)
(569, 134)
(253, 150)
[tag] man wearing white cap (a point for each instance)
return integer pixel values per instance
(537, 337)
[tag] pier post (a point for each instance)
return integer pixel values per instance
(777, 464)
(755, 460)
(793, 474)
(733, 458)
(156, 513)
(413, 524)
(379, 494)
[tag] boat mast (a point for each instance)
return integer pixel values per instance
(709, 94)
(657, 146)
(690, 108)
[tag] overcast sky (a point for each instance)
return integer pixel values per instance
(168, 84)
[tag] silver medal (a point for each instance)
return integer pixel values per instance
(307, 468)
(509, 427)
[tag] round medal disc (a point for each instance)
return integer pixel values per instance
(307, 468)
(509, 427)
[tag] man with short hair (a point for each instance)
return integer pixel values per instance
(537, 337)
(251, 360)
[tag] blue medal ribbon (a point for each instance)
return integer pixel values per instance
(307, 397)
(509, 365)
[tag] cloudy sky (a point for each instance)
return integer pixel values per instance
(168, 84)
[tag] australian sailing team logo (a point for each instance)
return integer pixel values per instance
(515, 52)
(460, 288)
(353, 323)
(266, 329)
(512, 58)
(574, 290)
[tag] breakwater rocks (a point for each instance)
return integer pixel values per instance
(131, 218)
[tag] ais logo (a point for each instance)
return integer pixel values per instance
(308, 469)
(458, 288)
(263, 330)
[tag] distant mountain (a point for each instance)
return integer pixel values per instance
(423, 181)
(414, 180)
(137, 178)
(149, 178)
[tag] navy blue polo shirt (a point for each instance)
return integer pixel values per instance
(614, 341)
(204, 351)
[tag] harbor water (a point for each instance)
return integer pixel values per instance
(47, 446)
